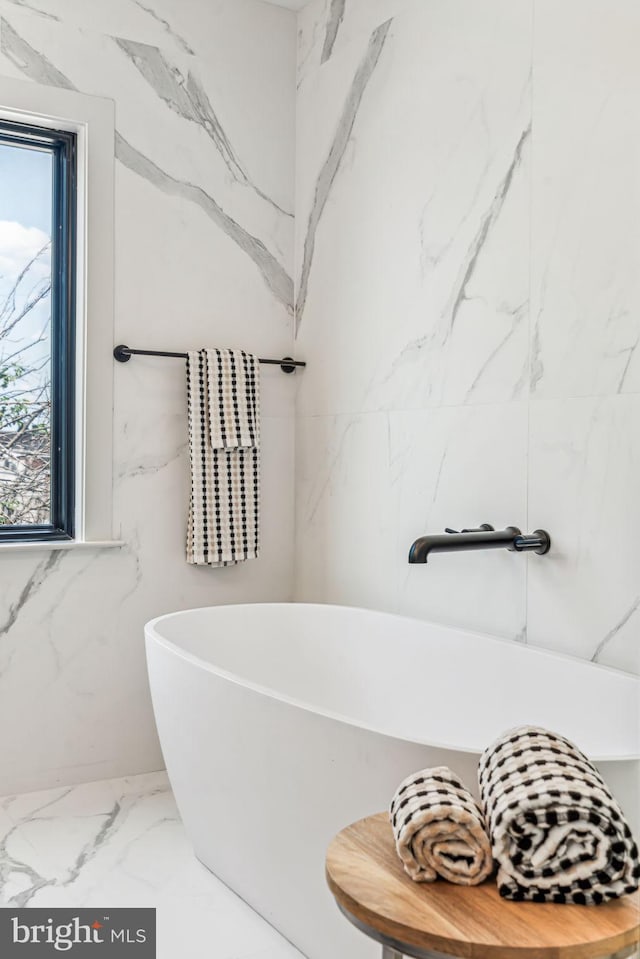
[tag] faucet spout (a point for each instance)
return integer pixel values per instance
(419, 552)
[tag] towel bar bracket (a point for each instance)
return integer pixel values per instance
(121, 353)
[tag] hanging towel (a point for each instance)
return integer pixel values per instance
(223, 399)
(557, 833)
(439, 829)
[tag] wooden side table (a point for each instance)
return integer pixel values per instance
(440, 920)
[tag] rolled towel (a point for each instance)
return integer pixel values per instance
(439, 829)
(557, 833)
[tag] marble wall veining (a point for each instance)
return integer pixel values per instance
(467, 236)
(205, 111)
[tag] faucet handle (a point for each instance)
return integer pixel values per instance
(485, 528)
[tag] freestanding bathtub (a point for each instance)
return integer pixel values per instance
(282, 723)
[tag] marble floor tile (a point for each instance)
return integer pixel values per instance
(120, 842)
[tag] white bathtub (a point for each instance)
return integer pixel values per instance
(282, 723)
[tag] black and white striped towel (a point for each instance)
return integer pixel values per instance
(223, 396)
(439, 829)
(558, 835)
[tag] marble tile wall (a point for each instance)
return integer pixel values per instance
(467, 238)
(205, 112)
(466, 232)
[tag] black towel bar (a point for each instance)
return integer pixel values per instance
(124, 353)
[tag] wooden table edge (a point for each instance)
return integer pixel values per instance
(619, 945)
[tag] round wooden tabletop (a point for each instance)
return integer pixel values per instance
(473, 922)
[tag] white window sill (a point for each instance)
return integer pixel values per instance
(64, 544)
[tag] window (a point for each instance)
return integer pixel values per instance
(37, 333)
(74, 134)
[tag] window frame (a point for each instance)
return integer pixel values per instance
(62, 144)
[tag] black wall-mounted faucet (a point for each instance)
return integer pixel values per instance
(482, 537)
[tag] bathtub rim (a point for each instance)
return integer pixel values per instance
(151, 634)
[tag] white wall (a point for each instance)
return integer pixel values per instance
(74, 702)
(468, 218)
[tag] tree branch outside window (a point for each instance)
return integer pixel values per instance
(25, 400)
